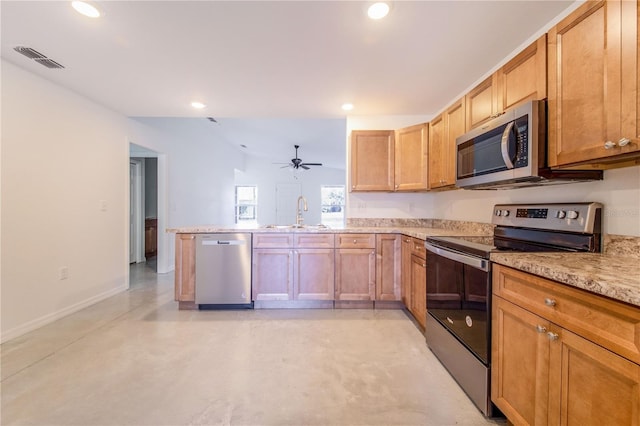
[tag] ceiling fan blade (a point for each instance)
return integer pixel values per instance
(304, 167)
(285, 167)
(311, 164)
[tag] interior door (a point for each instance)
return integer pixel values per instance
(132, 204)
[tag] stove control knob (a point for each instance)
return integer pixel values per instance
(505, 213)
(498, 212)
(572, 214)
(560, 214)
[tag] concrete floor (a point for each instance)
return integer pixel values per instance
(134, 359)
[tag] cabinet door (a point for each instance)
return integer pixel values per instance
(482, 102)
(372, 160)
(405, 273)
(185, 274)
(437, 148)
(355, 274)
(590, 385)
(272, 274)
(388, 267)
(419, 290)
(593, 79)
(411, 158)
(454, 126)
(524, 78)
(520, 363)
(314, 274)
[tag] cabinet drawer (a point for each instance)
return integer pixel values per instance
(417, 248)
(611, 324)
(272, 240)
(313, 240)
(356, 241)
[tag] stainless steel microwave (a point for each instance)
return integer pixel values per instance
(510, 151)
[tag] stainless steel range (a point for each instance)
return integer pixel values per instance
(458, 327)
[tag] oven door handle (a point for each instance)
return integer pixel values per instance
(474, 262)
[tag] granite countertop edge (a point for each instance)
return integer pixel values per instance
(607, 275)
(420, 233)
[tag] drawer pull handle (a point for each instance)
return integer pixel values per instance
(541, 329)
(549, 302)
(552, 336)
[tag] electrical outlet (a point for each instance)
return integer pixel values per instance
(64, 273)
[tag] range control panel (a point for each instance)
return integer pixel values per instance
(571, 217)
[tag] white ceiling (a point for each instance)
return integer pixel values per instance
(271, 59)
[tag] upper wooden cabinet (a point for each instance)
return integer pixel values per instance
(443, 131)
(521, 79)
(411, 158)
(372, 160)
(482, 102)
(593, 85)
(524, 77)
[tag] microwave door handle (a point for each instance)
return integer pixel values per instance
(505, 145)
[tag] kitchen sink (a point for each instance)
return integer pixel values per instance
(309, 227)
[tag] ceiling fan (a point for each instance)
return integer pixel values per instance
(297, 163)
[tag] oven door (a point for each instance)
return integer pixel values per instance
(459, 295)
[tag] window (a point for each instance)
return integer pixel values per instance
(246, 205)
(332, 205)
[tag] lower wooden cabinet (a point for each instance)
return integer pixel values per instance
(419, 289)
(293, 273)
(405, 274)
(185, 268)
(544, 371)
(355, 274)
(388, 267)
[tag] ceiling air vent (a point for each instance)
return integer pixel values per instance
(38, 57)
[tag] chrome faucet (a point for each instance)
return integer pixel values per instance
(299, 218)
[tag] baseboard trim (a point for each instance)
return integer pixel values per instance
(54, 316)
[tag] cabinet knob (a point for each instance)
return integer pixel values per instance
(355, 241)
(397, 186)
(552, 336)
(624, 141)
(609, 145)
(549, 302)
(541, 328)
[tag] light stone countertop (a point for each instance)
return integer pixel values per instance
(608, 275)
(417, 232)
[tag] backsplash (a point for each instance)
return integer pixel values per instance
(473, 228)
(617, 245)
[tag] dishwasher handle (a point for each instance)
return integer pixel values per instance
(223, 242)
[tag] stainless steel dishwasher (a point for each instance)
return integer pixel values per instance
(223, 271)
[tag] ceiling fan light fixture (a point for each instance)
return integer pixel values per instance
(85, 9)
(378, 10)
(347, 107)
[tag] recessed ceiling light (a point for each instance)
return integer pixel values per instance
(86, 9)
(378, 10)
(197, 105)
(347, 107)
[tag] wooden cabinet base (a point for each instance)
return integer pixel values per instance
(187, 306)
(354, 304)
(293, 304)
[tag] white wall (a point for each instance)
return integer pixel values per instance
(61, 155)
(261, 172)
(619, 192)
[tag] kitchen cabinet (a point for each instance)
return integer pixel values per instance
(419, 289)
(293, 267)
(405, 273)
(372, 160)
(414, 278)
(593, 86)
(355, 278)
(411, 145)
(562, 355)
(443, 131)
(185, 271)
(521, 79)
(388, 266)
